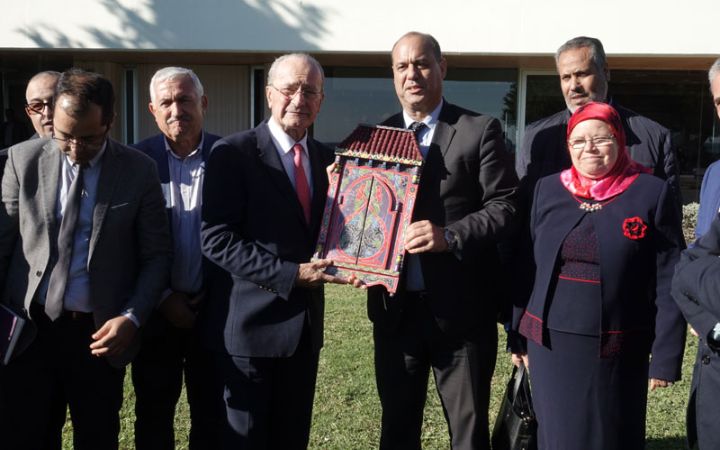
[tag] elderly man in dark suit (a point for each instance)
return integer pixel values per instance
(697, 291)
(444, 315)
(584, 76)
(263, 200)
(171, 345)
(84, 255)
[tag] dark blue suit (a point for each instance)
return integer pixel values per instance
(168, 352)
(696, 288)
(599, 376)
(266, 331)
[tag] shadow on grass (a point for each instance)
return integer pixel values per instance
(668, 443)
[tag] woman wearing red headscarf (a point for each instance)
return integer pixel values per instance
(600, 321)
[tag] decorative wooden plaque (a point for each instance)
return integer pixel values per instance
(370, 203)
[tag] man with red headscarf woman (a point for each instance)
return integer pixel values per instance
(605, 239)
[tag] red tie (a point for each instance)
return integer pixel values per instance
(301, 184)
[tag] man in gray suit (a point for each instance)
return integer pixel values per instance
(84, 255)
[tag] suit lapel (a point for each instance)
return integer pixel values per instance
(109, 173)
(320, 184)
(269, 156)
(49, 174)
(444, 132)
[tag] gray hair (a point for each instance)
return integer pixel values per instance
(597, 52)
(171, 73)
(714, 71)
(281, 59)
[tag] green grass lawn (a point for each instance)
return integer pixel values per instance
(347, 411)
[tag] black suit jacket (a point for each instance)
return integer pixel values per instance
(468, 185)
(696, 289)
(254, 234)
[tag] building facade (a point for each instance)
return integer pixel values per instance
(500, 57)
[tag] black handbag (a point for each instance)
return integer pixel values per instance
(515, 427)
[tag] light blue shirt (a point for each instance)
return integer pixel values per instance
(184, 197)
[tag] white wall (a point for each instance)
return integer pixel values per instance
(633, 27)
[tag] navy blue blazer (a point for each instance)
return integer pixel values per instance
(635, 273)
(154, 147)
(254, 232)
(709, 199)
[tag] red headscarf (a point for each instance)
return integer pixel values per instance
(620, 176)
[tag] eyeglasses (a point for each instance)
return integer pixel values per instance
(86, 142)
(37, 107)
(290, 92)
(600, 141)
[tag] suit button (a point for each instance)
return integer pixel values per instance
(706, 359)
(38, 273)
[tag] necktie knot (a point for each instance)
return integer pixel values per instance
(416, 127)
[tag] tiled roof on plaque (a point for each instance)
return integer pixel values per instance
(397, 145)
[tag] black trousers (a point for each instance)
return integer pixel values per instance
(167, 354)
(54, 372)
(462, 369)
(269, 401)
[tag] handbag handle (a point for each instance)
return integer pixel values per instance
(519, 374)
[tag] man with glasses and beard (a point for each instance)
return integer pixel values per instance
(93, 258)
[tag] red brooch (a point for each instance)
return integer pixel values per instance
(634, 228)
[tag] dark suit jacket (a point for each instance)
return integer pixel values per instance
(469, 186)
(709, 199)
(544, 148)
(254, 233)
(129, 259)
(635, 273)
(696, 289)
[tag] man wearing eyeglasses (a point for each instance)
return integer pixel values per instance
(171, 346)
(94, 258)
(39, 97)
(584, 77)
(263, 201)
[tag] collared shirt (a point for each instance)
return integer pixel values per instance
(183, 195)
(425, 135)
(284, 144)
(414, 277)
(77, 290)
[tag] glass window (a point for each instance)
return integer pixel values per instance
(678, 100)
(367, 95)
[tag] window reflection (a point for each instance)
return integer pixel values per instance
(367, 95)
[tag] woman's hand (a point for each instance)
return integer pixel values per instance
(518, 358)
(655, 383)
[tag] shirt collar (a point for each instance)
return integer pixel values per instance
(283, 141)
(195, 152)
(430, 120)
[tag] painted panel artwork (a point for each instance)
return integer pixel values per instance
(370, 203)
